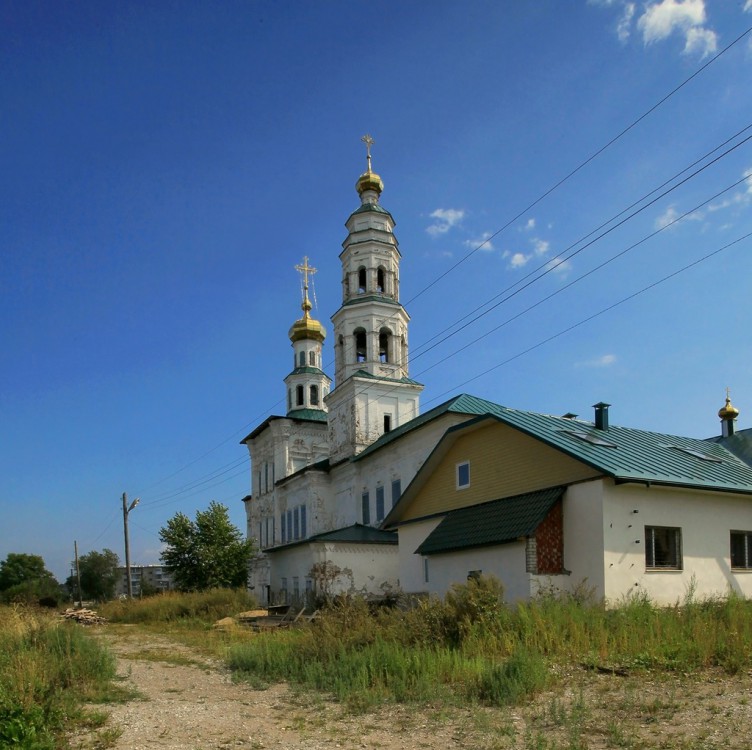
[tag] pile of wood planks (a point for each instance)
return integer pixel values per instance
(83, 616)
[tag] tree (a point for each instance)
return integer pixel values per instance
(206, 553)
(24, 578)
(99, 574)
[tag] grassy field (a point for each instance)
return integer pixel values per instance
(469, 652)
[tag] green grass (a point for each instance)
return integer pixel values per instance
(471, 648)
(48, 669)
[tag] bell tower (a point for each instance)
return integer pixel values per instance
(373, 392)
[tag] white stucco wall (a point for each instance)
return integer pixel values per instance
(705, 519)
(411, 577)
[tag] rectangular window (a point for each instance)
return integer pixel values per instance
(303, 521)
(425, 570)
(296, 588)
(365, 508)
(663, 548)
(379, 504)
(396, 491)
(266, 477)
(741, 550)
(387, 423)
(260, 541)
(463, 475)
(296, 523)
(290, 537)
(283, 528)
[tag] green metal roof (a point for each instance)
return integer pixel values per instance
(740, 444)
(495, 522)
(355, 534)
(628, 454)
(309, 415)
(462, 404)
(371, 298)
(307, 370)
(372, 208)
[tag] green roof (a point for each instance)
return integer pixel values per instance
(308, 371)
(462, 404)
(371, 208)
(355, 534)
(740, 444)
(372, 298)
(309, 415)
(495, 522)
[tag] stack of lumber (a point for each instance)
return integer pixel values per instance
(83, 616)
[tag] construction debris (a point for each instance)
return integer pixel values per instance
(83, 616)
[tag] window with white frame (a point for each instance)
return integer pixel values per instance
(463, 475)
(741, 550)
(663, 548)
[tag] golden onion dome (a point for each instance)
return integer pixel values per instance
(369, 181)
(306, 327)
(728, 411)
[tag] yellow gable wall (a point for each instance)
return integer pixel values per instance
(503, 462)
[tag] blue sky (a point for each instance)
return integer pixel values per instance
(164, 166)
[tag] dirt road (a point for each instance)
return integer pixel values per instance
(191, 703)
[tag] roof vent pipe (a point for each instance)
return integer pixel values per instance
(601, 415)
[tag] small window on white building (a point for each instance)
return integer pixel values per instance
(312, 359)
(741, 550)
(365, 508)
(463, 475)
(379, 504)
(425, 570)
(396, 491)
(303, 522)
(663, 548)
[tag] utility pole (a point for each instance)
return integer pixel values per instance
(78, 575)
(126, 510)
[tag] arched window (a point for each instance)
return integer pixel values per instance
(300, 395)
(314, 395)
(385, 337)
(301, 359)
(360, 345)
(312, 359)
(361, 280)
(380, 281)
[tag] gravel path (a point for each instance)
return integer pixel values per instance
(189, 702)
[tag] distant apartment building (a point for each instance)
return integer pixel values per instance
(152, 578)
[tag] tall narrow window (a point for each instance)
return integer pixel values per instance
(663, 548)
(266, 477)
(289, 399)
(385, 336)
(314, 395)
(380, 286)
(365, 508)
(301, 359)
(396, 491)
(425, 570)
(303, 521)
(387, 423)
(283, 527)
(463, 475)
(741, 550)
(290, 537)
(300, 395)
(296, 523)
(312, 359)
(360, 345)
(361, 280)
(379, 504)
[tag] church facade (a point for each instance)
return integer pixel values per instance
(325, 475)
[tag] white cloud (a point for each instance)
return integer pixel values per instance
(605, 360)
(481, 243)
(531, 222)
(540, 246)
(559, 265)
(701, 40)
(661, 19)
(446, 218)
(518, 260)
(748, 6)
(624, 27)
(667, 217)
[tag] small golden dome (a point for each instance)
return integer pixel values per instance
(369, 181)
(728, 411)
(306, 327)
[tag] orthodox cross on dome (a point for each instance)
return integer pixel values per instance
(305, 270)
(369, 142)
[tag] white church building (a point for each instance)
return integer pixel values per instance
(325, 475)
